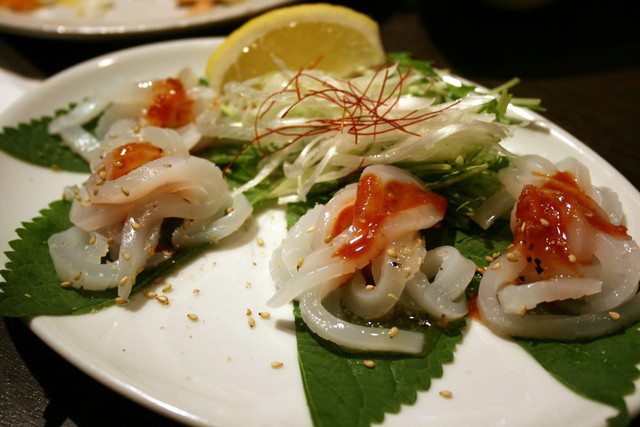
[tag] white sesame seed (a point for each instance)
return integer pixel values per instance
(369, 364)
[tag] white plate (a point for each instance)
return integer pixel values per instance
(125, 17)
(217, 371)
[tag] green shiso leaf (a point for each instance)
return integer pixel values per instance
(31, 286)
(602, 369)
(32, 143)
(341, 391)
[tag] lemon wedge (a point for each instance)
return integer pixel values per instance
(330, 38)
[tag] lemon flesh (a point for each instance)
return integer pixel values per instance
(330, 38)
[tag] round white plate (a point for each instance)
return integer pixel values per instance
(123, 17)
(217, 370)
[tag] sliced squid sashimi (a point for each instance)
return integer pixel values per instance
(362, 247)
(568, 258)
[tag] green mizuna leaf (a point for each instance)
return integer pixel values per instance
(32, 143)
(31, 286)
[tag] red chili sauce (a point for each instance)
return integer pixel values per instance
(375, 202)
(543, 215)
(130, 156)
(171, 107)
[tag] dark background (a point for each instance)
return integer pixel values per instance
(581, 58)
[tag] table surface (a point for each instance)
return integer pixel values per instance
(585, 67)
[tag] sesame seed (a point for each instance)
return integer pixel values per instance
(446, 394)
(192, 316)
(614, 315)
(150, 250)
(77, 276)
(392, 296)
(252, 322)
(124, 191)
(135, 225)
(66, 284)
(167, 287)
(163, 299)
(158, 280)
(259, 241)
(264, 314)
(522, 227)
(512, 257)
(311, 229)
(123, 281)
(393, 332)
(369, 287)
(572, 258)
(150, 294)
(102, 175)
(523, 310)
(300, 262)
(496, 266)
(110, 240)
(369, 364)
(121, 301)
(196, 291)
(96, 190)
(392, 252)
(275, 364)
(544, 222)
(248, 312)
(92, 240)
(126, 256)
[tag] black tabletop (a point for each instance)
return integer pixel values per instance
(582, 60)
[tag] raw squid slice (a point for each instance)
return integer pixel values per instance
(443, 296)
(132, 190)
(349, 335)
(568, 260)
(363, 246)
